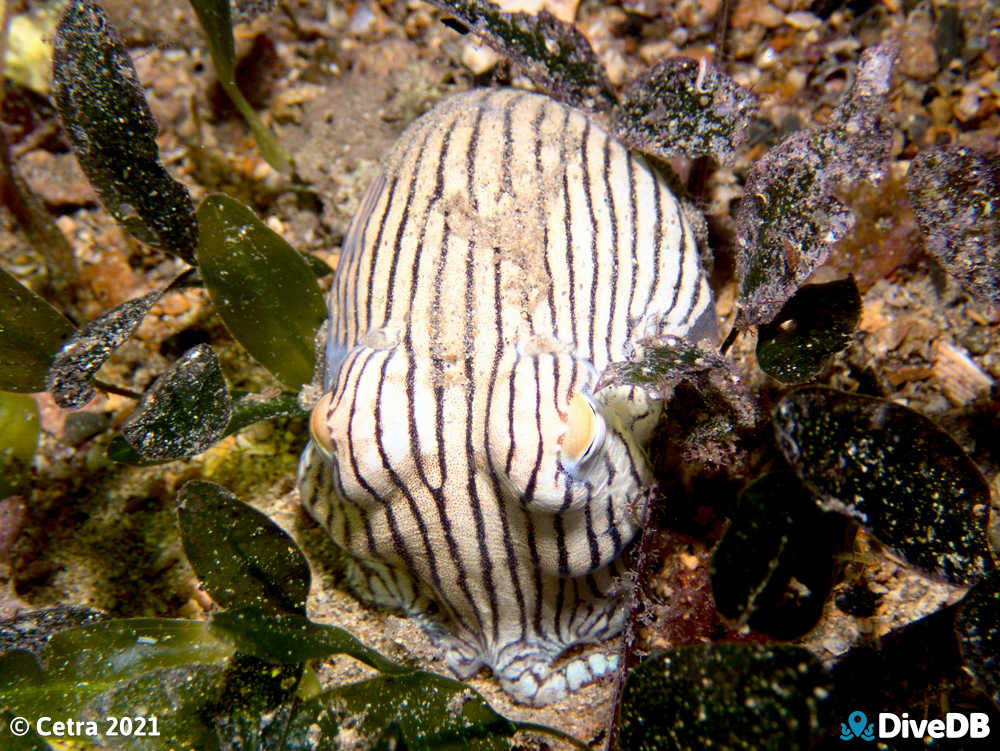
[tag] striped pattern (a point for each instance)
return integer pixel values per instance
(510, 250)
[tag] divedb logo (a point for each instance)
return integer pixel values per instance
(890, 725)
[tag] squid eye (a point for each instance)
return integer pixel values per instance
(319, 428)
(585, 434)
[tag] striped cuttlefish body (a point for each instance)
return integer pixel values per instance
(508, 252)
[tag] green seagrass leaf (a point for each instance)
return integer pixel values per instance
(241, 557)
(289, 638)
(31, 333)
(264, 290)
(84, 662)
(113, 133)
(978, 627)
(216, 21)
(18, 439)
(410, 707)
(247, 409)
(774, 566)
(747, 697)
(554, 54)
(791, 213)
(954, 191)
(184, 412)
(817, 322)
(895, 472)
(84, 353)
(684, 107)
(415, 710)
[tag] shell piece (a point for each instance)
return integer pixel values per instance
(510, 250)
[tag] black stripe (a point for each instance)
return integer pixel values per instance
(345, 373)
(352, 298)
(486, 564)
(353, 249)
(594, 590)
(508, 542)
(511, 440)
(568, 229)
(397, 245)
(470, 159)
(506, 181)
(397, 539)
(657, 242)
(408, 338)
(374, 255)
(634, 227)
(616, 537)
(436, 361)
(438, 493)
(636, 480)
(595, 551)
(613, 215)
(557, 613)
(418, 517)
(527, 500)
(682, 247)
(536, 129)
(594, 260)
(569, 633)
(693, 297)
(341, 498)
(536, 126)
(560, 531)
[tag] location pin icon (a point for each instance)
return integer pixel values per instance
(857, 721)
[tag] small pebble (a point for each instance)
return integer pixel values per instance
(615, 65)
(275, 224)
(767, 58)
(57, 179)
(743, 15)
(417, 22)
(644, 8)
(174, 304)
(917, 53)
(81, 425)
(653, 52)
(796, 80)
(915, 126)
(262, 170)
(940, 110)
(66, 224)
(976, 340)
(802, 20)
(971, 106)
(748, 43)
(562, 9)
(364, 20)
(478, 58)
(769, 16)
